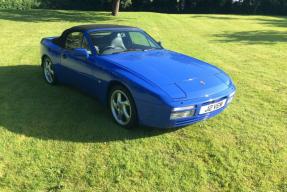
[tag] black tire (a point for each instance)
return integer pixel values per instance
(48, 75)
(133, 121)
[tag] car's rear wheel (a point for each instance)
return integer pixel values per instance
(122, 107)
(48, 71)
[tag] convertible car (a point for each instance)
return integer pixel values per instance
(132, 74)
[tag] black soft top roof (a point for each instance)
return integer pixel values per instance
(82, 28)
(97, 26)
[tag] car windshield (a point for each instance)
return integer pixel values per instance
(112, 42)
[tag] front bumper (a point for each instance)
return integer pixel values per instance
(199, 117)
(159, 116)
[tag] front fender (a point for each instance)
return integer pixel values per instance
(141, 89)
(149, 99)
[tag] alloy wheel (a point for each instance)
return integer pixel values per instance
(121, 107)
(48, 71)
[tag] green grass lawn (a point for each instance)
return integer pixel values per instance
(59, 139)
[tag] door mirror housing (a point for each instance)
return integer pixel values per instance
(160, 43)
(81, 53)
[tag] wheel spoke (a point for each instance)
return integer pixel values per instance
(115, 105)
(51, 71)
(119, 98)
(126, 103)
(49, 67)
(126, 114)
(47, 64)
(120, 115)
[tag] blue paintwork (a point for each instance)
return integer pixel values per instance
(158, 80)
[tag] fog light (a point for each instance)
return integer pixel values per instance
(181, 114)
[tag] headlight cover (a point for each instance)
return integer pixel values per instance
(182, 112)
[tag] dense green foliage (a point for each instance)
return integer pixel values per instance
(57, 139)
(19, 4)
(170, 6)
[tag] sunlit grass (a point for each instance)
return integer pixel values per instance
(59, 139)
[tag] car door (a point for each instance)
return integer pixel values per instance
(77, 70)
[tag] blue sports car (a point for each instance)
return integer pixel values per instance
(131, 73)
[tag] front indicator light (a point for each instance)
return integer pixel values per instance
(230, 98)
(181, 114)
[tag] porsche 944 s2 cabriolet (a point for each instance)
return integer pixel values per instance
(131, 73)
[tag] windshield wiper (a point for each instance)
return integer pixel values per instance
(154, 48)
(127, 50)
(131, 50)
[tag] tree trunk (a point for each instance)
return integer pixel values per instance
(116, 7)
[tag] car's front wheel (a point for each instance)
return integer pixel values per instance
(122, 107)
(48, 71)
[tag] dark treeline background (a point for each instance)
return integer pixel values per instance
(275, 7)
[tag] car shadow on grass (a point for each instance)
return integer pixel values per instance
(30, 107)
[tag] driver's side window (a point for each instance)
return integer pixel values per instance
(74, 40)
(85, 45)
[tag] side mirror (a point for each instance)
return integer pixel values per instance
(160, 43)
(81, 53)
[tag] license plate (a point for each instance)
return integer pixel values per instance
(212, 107)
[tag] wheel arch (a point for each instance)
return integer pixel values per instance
(113, 83)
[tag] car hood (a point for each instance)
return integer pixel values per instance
(180, 76)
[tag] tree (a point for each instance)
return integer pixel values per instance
(116, 7)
